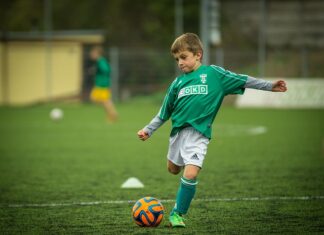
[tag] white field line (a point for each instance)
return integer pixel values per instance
(239, 130)
(235, 199)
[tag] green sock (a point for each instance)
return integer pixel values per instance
(185, 194)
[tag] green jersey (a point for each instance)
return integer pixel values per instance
(193, 99)
(102, 78)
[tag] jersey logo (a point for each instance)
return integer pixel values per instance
(193, 90)
(203, 78)
(194, 157)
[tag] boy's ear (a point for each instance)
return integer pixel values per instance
(199, 55)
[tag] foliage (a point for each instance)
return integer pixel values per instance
(130, 23)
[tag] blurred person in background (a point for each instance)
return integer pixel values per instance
(101, 92)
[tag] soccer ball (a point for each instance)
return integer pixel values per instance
(148, 212)
(56, 114)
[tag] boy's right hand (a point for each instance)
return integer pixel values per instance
(142, 135)
(279, 86)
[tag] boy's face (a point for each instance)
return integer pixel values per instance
(187, 61)
(94, 54)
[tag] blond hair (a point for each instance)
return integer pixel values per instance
(187, 42)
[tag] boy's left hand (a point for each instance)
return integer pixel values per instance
(279, 86)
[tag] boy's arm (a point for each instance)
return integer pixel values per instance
(148, 130)
(163, 115)
(153, 125)
(259, 84)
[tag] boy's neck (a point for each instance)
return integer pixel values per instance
(197, 66)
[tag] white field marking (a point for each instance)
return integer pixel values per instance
(257, 130)
(234, 199)
(239, 130)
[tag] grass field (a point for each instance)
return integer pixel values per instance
(83, 159)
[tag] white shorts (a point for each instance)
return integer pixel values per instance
(188, 147)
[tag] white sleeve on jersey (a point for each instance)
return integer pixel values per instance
(258, 84)
(153, 125)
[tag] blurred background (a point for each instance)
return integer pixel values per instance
(44, 44)
(264, 171)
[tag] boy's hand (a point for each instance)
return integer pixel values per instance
(279, 86)
(142, 135)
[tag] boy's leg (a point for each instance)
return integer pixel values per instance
(173, 168)
(193, 148)
(102, 96)
(110, 110)
(187, 189)
(185, 194)
(187, 148)
(191, 172)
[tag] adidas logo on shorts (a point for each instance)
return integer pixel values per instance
(194, 157)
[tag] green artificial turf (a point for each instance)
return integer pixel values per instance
(82, 158)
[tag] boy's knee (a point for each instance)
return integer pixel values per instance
(191, 172)
(173, 170)
(190, 176)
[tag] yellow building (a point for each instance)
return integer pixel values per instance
(33, 69)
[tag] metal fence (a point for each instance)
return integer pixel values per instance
(139, 71)
(262, 38)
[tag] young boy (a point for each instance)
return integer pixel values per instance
(101, 93)
(192, 102)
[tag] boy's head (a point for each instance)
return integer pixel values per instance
(187, 42)
(187, 51)
(96, 52)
